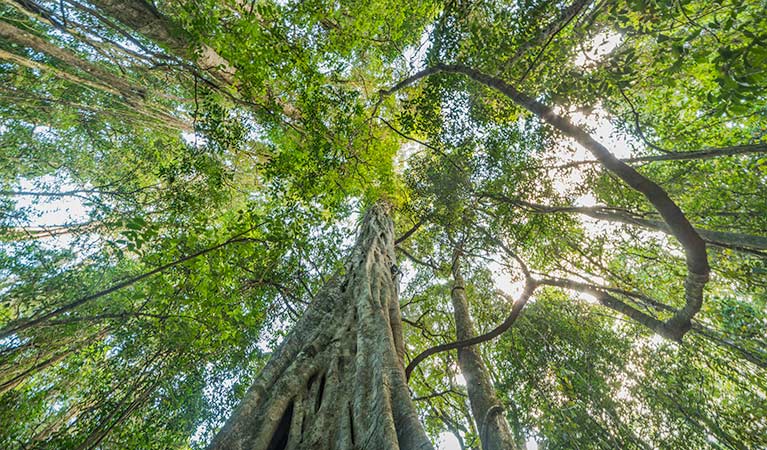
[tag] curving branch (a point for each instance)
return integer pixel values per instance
(694, 246)
(516, 310)
(429, 264)
(546, 35)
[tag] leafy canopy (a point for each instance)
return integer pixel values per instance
(163, 222)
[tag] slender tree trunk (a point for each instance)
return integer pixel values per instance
(494, 431)
(143, 17)
(338, 380)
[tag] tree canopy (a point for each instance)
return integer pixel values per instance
(179, 180)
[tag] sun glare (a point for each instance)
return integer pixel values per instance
(596, 49)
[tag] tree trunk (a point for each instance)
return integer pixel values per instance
(142, 17)
(337, 381)
(494, 431)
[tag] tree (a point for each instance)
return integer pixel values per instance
(569, 195)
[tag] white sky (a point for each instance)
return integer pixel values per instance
(447, 441)
(50, 211)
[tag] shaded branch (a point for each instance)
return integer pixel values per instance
(548, 35)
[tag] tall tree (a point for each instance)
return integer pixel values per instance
(494, 430)
(338, 379)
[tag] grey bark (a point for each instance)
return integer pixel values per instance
(338, 380)
(107, 81)
(494, 431)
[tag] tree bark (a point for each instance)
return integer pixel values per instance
(494, 431)
(338, 380)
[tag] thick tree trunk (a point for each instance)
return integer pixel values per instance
(494, 431)
(338, 380)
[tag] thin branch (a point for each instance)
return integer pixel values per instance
(638, 125)
(429, 264)
(425, 144)
(438, 394)
(749, 243)
(18, 327)
(408, 233)
(547, 34)
(707, 153)
(516, 310)
(552, 31)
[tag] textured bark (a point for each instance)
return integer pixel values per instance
(338, 380)
(494, 431)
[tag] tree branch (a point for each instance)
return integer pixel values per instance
(707, 153)
(408, 233)
(750, 243)
(516, 310)
(13, 328)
